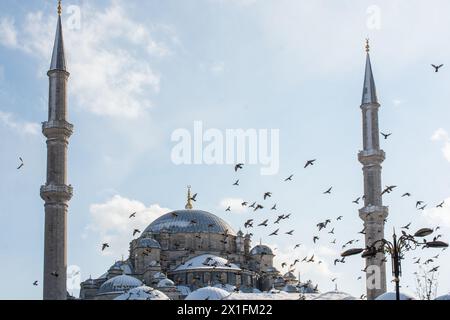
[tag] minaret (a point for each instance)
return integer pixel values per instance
(56, 192)
(189, 205)
(373, 213)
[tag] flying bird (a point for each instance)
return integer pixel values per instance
(21, 164)
(332, 231)
(297, 246)
(290, 232)
(244, 204)
(133, 215)
(436, 68)
(388, 189)
(418, 203)
(407, 194)
(236, 183)
(423, 207)
(104, 246)
(267, 195)
(274, 207)
(441, 205)
(356, 201)
(136, 231)
(339, 218)
(239, 166)
(309, 163)
(258, 207)
(35, 283)
(228, 209)
(386, 136)
(264, 223)
(275, 233)
(407, 226)
(289, 178)
(315, 239)
(328, 191)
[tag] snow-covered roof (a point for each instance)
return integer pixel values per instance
(208, 293)
(226, 287)
(444, 297)
(166, 283)
(183, 290)
(207, 261)
(290, 288)
(143, 293)
(119, 284)
(268, 296)
(392, 296)
(334, 295)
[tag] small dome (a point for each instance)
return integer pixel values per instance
(290, 289)
(392, 296)
(121, 267)
(148, 243)
(166, 283)
(208, 293)
(207, 261)
(261, 249)
(444, 297)
(334, 295)
(279, 280)
(159, 276)
(289, 276)
(119, 284)
(143, 293)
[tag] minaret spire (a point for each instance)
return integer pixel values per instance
(58, 57)
(56, 192)
(371, 157)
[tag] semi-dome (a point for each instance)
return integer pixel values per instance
(190, 221)
(148, 243)
(208, 293)
(261, 249)
(119, 284)
(143, 293)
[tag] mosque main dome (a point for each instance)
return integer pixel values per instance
(190, 221)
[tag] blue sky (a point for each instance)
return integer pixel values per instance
(140, 70)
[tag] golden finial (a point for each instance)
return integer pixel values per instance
(59, 7)
(367, 45)
(189, 199)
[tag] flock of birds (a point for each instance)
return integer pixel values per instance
(328, 224)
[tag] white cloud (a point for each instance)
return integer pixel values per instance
(439, 216)
(397, 102)
(234, 203)
(442, 135)
(8, 33)
(111, 222)
(21, 127)
(106, 79)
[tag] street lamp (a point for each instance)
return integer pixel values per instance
(406, 242)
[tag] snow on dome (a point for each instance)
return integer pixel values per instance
(166, 283)
(334, 295)
(226, 287)
(207, 261)
(290, 288)
(148, 243)
(185, 291)
(181, 221)
(159, 276)
(123, 266)
(261, 249)
(208, 293)
(143, 293)
(392, 296)
(444, 297)
(119, 284)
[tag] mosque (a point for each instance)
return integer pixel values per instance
(185, 250)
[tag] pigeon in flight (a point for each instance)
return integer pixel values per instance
(264, 223)
(274, 207)
(275, 233)
(356, 201)
(407, 226)
(419, 203)
(290, 232)
(136, 231)
(104, 246)
(436, 68)
(289, 178)
(236, 183)
(21, 164)
(35, 283)
(339, 218)
(407, 194)
(133, 215)
(386, 135)
(309, 163)
(228, 209)
(239, 166)
(441, 205)
(267, 195)
(328, 191)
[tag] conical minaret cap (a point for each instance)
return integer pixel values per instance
(369, 90)
(58, 57)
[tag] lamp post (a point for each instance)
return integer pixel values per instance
(405, 242)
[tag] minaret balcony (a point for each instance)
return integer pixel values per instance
(367, 157)
(374, 213)
(55, 128)
(56, 193)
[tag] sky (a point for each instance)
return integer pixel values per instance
(140, 71)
